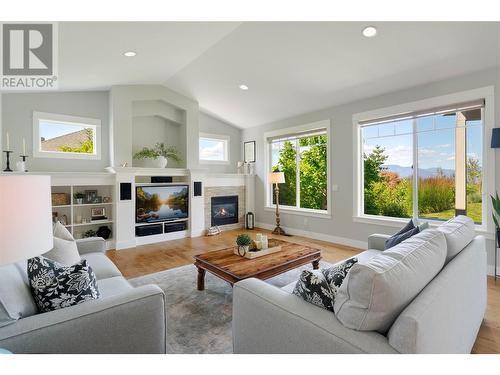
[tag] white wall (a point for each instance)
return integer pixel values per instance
(17, 119)
(209, 124)
(341, 224)
(148, 130)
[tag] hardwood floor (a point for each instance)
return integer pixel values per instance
(157, 257)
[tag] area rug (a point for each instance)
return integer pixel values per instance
(200, 321)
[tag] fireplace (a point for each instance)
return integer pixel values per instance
(224, 210)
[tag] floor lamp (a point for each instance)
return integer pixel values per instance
(276, 178)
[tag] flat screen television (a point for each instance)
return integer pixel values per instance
(155, 203)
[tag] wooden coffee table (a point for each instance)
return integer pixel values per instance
(233, 268)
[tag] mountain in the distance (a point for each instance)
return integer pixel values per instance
(422, 172)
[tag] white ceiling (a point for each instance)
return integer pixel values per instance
(290, 67)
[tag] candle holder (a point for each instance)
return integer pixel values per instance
(22, 167)
(7, 153)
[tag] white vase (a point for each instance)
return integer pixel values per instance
(160, 162)
(242, 250)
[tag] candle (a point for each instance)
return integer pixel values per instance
(24, 146)
(8, 142)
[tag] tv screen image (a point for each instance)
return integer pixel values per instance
(161, 203)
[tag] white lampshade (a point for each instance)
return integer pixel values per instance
(25, 217)
(276, 178)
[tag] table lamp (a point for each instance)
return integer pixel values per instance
(277, 178)
(25, 217)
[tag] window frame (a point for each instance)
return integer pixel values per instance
(217, 137)
(488, 156)
(310, 127)
(88, 122)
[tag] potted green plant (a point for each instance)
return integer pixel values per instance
(160, 154)
(243, 241)
(89, 233)
(79, 197)
(496, 215)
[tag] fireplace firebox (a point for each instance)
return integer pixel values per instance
(224, 210)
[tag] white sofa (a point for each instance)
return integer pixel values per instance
(444, 317)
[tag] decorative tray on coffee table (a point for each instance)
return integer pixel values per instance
(274, 247)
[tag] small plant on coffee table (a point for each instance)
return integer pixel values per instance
(243, 241)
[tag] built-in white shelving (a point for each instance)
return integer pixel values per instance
(75, 215)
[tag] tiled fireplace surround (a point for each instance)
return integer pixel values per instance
(218, 191)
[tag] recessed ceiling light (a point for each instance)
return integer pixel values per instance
(129, 53)
(370, 31)
(243, 87)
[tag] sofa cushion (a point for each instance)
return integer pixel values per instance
(336, 274)
(64, 252)
(313, 288)
(364, 256)
(55, 286)
(60, 231)
(103, 267)
(459, 232)
(375, 292)
(16, 301)
(400, 237)
(113, 286)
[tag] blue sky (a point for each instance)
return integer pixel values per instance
(436, 145)
(49, 130)
(211, 149)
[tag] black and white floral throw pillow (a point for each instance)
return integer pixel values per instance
(55, 286)
(335, 275)
(313, 288)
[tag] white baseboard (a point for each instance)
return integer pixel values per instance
(318, 236)
(491, 270)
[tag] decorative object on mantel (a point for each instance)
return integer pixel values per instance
(249, 151)
(7, 152)
(249, 220)
(243, 241)
(241, 167)
(213, 231)
(159, 154)
(21, 164)
(251, 168)
(495, 200)
(277, 178)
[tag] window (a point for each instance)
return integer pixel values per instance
(68, 137)
(214, 148)
(425, 164)
(302, 155)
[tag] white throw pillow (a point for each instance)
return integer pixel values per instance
(65, 250)
(375, 292)
(60, 231)
(459, 232)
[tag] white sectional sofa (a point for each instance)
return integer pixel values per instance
(440, 313)
(123, 320)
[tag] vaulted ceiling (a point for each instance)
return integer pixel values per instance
(289, 67)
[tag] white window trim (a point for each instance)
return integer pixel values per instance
(216, 137)
(269, 206)
(486, 93)
(88, 122)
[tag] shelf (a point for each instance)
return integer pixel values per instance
(161, 222)
(62, 206)
(98, 223)
(92, 204)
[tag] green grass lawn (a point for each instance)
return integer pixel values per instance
(474, 211)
